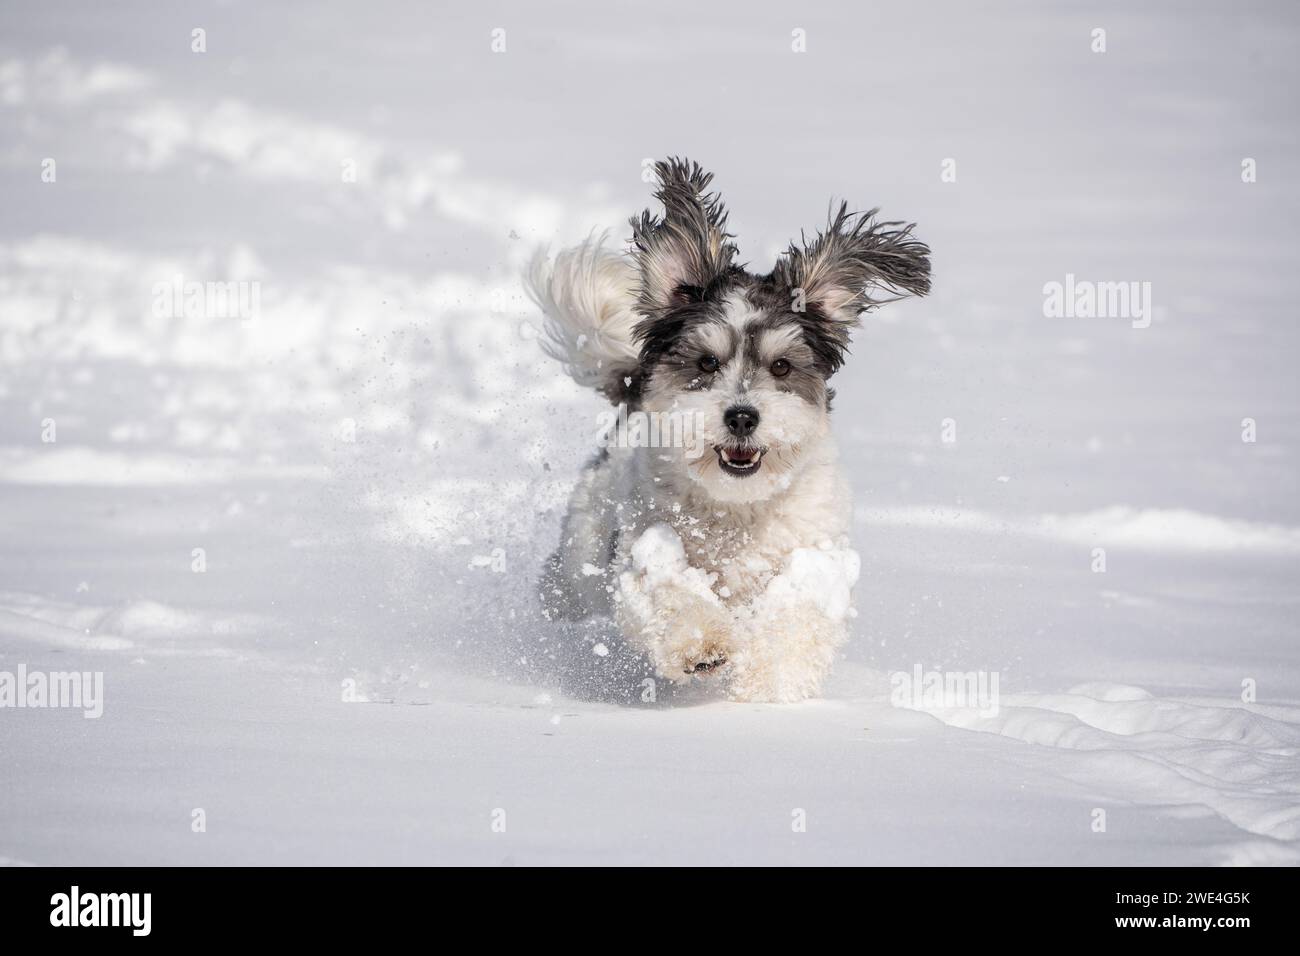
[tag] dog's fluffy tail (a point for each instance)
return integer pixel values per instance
(588, 295)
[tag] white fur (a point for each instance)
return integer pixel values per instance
(750, 577)
(587, 296)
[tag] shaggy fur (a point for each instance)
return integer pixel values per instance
(725, 558)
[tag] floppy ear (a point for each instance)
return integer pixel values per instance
(842, 270)
(681, 254)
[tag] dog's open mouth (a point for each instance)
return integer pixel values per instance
(740, 462)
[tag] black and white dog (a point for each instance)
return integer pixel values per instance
(715, 529)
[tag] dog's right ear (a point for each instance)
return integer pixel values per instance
(683, 253)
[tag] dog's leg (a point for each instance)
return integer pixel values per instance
(792, 629)
(667, 609)
(785, 654)
(683, 634)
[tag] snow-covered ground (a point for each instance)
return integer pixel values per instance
(299, 539)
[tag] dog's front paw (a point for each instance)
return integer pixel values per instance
(711, 660)
(702, 651)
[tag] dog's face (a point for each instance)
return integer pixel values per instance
(740, 367)
(747, 357)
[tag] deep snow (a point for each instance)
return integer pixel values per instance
(375, 464)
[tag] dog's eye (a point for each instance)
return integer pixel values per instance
(780, 368)
(709, 363)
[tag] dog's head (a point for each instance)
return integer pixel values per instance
(748, 356)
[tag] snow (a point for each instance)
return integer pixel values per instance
(374, 466)
(659, 560)
(823, 578)
(1141, 529)
(1237, 763)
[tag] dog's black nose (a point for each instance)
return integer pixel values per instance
(741, 420)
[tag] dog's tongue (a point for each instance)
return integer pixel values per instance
(740, 457)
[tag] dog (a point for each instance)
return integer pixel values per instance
(715, 533)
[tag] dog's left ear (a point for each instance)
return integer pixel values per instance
(838, 275)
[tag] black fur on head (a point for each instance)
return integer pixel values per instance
(836, 276)
(684, 253)
(687, 266)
